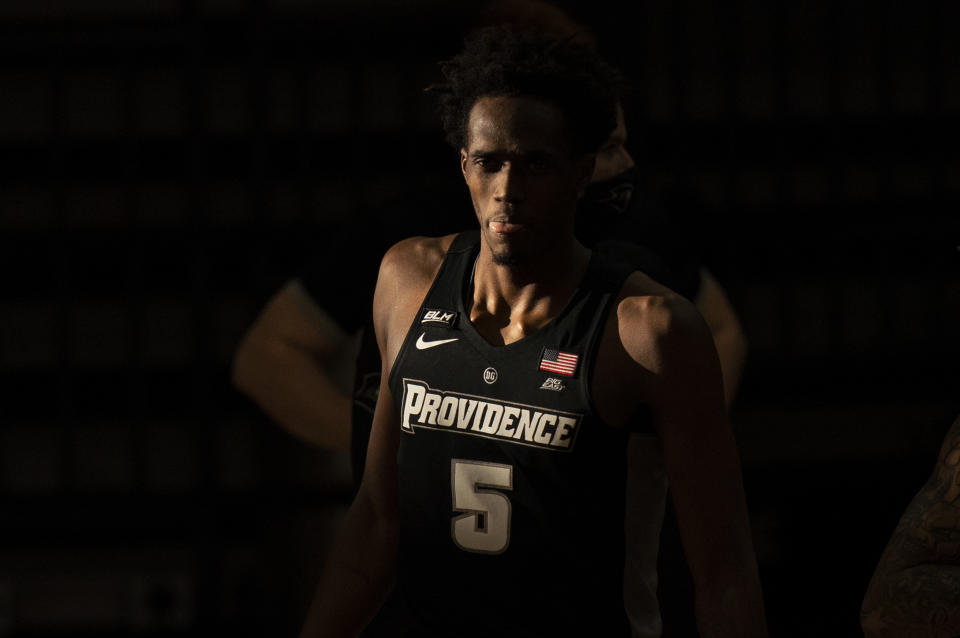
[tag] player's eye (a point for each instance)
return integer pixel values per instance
(488, 164)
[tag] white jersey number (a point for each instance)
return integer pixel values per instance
(484, 526)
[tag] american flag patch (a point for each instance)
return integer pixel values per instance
(559, 362)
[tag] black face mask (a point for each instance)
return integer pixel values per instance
(611, 196)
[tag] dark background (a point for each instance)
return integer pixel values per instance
(167, 164)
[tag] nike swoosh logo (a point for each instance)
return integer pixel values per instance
(423, 345)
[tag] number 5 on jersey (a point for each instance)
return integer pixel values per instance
(484, 527)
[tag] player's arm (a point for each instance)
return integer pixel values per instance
(679, 374)
(297, 364)
(915, 590)
(360, 567)
(728, 335)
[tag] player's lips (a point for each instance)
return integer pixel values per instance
(506, 226)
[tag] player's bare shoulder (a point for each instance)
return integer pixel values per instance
(652, 321)
(651, 332)
(406, 273)
(412, 262)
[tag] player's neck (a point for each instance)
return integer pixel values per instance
(521, 298)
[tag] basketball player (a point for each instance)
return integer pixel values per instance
(516, 360)
(299, 358)
(915, 590)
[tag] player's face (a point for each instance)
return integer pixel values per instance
(613, 158)
(523, 176)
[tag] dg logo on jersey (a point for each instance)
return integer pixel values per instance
(490, 375)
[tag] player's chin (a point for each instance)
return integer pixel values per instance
(503, 252)
(511, 249)
(506, 258)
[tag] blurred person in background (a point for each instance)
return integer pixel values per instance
(915, 590)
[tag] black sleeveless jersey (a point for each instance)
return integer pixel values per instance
(612, 218)
(511, 489)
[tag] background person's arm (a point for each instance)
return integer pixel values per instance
(915, 590)
(297, 364)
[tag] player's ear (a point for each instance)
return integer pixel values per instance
(585, 168)
(463, 162)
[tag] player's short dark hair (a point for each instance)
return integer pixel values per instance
(507, 61)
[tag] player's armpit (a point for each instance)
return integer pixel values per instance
(672, 344)
(915, 589)
(728, 336)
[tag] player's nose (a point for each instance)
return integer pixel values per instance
(510, 185)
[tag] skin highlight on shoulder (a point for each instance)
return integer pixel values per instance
(647, 314)
(653, 335)
(416, 255)
(409, 265)
(406, 273)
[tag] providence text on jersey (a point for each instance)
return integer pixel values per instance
(424, 407)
